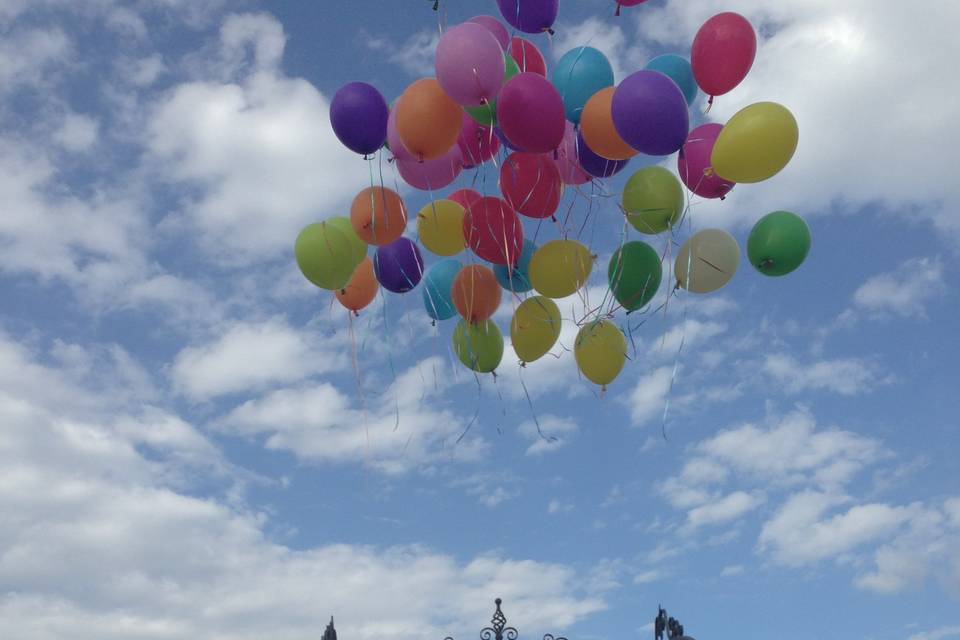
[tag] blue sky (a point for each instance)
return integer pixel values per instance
(190, 448)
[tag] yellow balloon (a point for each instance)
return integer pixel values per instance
(756, 143)
(440, 225)
(601, 351)
(560, 267)
(535, 327)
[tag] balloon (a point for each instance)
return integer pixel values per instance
(579, 74)
(477, 144)
(378, 215)
(634, 274)
(440, 227)
(437, 287)
(596, 125)
(722, 53)
(465, 197)
(475, 293)
(359, 247)
(560, 267)
(469, 64)
(505, 141)
(678, 69)
(324, 255)
(650, 113)
(535, 328)
(432, 174)
(595, 165)
(653, 199)
(693, 163)
(486, 114)
(756, 143)
(778, 243)
(567, 161)
(393, 138)
(707, 261)
(600, 351)
(517, 279)
(531, 184)
(529, 16)
(478, 345)
(493, 231)
(398, 265)
(358, 114)
(530, 113)
(428, 121)
(527, 56)
(496, 28)
(361, 289)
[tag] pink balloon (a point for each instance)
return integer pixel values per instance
(393, 139)
(431, 175)
(566, 159)
(693, 163)
(530, 113)
(470, 64)
(495, 27)
(723, 52)
(477, 143)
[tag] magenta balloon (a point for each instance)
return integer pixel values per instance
(430, 175)
(530, 113)
(566, 159)
(470, 64)
(495, 27)
(399, 151)
(477, 143)
(693, 163)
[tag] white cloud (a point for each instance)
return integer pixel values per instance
(554, 432)
(729, 507)
(903, 292)
(77, 132)
(556, 506)
(937, 634)
(415, 56)
(732, 570)
(623, 52)
(647, 577)
(846, 376)
(647, 398)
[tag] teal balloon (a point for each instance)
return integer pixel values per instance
(518, 278)
(438, 282)
(580, 73)
(678, 69)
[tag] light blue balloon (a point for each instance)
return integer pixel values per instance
(678, 69)
(580, 73)
(438, 283)
(517, 279)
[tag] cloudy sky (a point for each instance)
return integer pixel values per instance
(194, 442)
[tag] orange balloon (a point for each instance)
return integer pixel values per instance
(476, 293)
(362, 288)
(596, 125)
(428, 121)
(378, 215)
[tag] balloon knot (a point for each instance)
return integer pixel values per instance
(433, 323)
(549, 31)
(709, 104)
(356, 313)
(723, 198)
(436, 5)
(523, 365)
(765, 264)
(556, 154)
(343, 292)
(617, 12)
(553, 218)
(494, 374)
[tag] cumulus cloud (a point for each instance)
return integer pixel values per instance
(904, 292)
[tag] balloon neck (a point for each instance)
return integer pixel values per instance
(436, 5)
(709, 103)
(343, 292)
(523, 365)
(722, 198)
(765, 264)
(433, 323)
(356, 313)
(549, 31)
(617, 12)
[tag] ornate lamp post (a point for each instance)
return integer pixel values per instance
(498, 629)
(669, 625)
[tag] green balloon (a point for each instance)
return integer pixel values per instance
(357, 246)
(479, 345)
(653, 200)
(325, 256)
(778, 243)
(486, 114)
(634, 274)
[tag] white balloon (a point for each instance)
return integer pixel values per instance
(707, 261)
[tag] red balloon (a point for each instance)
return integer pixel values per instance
(493, 231)
(477, 143)
(465, 197)
(530, 183)
(527, 56)
(530, 113)
(723, 52)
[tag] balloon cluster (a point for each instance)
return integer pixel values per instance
(492, 98)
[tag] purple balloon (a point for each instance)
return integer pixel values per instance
(398, 265)
(650, 113)
(693, 163)
(477, 143)
(597, 166)
(567, 161)
(358, 114)
(530, 113)
(470, 64)
(432, 174)
(495, 27)
(530, 16)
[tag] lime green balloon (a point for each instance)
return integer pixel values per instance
(358, 246)
(535, 327)
(634, 274)
(653, 199)
(778, 243)
(560, 267)
(486, 114)
(600, 351)
(325, 256)
(479, 345)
